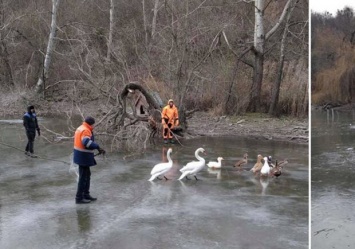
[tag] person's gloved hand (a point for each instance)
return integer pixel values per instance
(101, 151)
(39, 132)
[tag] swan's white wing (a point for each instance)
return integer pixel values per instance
(198, 167)
(183, 175)
(189, 166)
(160, 167)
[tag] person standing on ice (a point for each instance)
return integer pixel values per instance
(31, 125)
(84, 146)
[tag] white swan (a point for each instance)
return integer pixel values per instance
(216, 165)
(265, 170)
(192, 168)
(161, 168)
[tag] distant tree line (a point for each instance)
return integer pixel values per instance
(332, 57)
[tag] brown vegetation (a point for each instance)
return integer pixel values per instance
(182, 49)
(333, 57)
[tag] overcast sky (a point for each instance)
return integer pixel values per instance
(330, 5)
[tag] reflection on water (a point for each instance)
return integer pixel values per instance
(216, 172)
(264, 181)
(83, 219)
(226, 208)
(333, 177)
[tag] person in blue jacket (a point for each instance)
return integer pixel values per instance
(31, 125)
(84, 146)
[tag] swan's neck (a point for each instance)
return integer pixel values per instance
(198, 157)
(168, 156)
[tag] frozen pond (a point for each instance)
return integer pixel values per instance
(333, 177)
(225, 209)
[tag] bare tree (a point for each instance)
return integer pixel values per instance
(259, 49)
(155, 13)
(110, 34)
(276, 88)
(50, 47)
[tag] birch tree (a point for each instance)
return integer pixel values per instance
(110, 34)
(50, 47)
(154, 20)
(259, 49)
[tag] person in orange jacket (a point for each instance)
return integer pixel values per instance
(84, 146)
(170, 119)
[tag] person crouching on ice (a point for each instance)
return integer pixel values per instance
(170, 119)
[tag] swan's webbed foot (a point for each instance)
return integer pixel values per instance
(159, 178)
(187, 178)
(166, 178)
(196, 178)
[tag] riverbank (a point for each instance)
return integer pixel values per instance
(254, 125)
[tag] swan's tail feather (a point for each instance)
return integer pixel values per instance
(153, 177)
(183, 175)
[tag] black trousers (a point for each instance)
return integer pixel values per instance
(31, 139)
(84, 182)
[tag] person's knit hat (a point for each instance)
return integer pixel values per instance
(29, 108)
(170, 100)
(90, 120)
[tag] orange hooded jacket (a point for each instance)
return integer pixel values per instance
(170, 115)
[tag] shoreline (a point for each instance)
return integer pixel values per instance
(254, 125)
(258, 126)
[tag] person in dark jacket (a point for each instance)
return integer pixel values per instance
(84, 146)
(31, 125)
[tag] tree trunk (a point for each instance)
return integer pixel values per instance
(155, 13)
(110, 34)
(145, 22)
(50, 47)
(276, 88)
(257, 81)
(8, 71)
(259, 44)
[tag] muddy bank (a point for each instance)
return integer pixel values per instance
(254, 125)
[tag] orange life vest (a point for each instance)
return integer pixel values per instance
(84, 146)
(82, 132)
